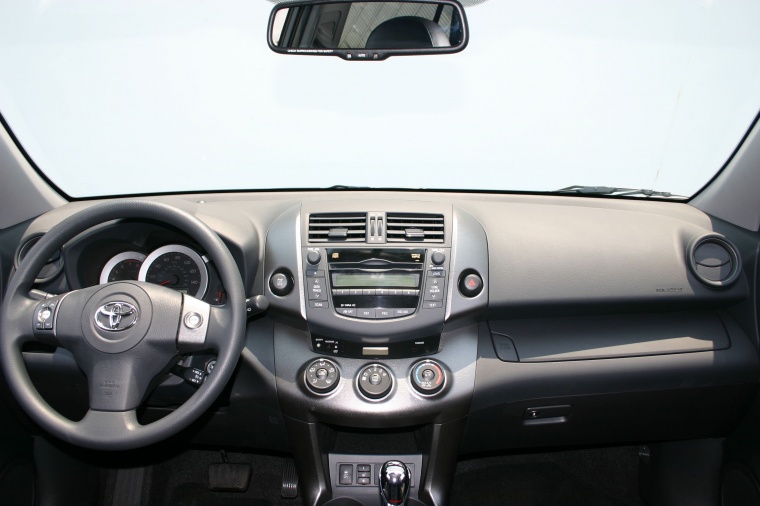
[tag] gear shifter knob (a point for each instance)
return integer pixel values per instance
(394, 483)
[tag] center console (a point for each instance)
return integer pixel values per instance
(375, 342)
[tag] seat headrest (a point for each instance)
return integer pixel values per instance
(407, 32)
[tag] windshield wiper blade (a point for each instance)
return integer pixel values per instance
(609, 190)
(346, 187)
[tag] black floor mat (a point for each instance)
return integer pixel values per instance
(599, 477)
(593, 477)
(181, 479)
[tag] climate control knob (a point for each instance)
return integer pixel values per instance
(321, 376)
(375, 381)
(428, 377)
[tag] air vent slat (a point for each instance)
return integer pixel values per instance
(337, 227)
(412, 227)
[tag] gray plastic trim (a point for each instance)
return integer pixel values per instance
(24, 193)
(733, 195)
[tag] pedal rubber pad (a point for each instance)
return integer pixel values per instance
(289, 480)
(226, 477)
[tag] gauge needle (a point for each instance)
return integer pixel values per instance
(164, 283)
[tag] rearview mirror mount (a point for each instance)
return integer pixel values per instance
(369, 30)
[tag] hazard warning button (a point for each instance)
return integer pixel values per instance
(471, 285)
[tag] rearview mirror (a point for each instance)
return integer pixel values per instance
(368, 30)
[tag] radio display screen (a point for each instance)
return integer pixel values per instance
(380, 279)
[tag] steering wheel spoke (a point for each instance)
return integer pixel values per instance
(107, 425)
(119, 383)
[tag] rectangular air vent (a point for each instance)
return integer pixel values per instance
(337, 227)
(414, 227)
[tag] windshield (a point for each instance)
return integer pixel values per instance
(114, 98)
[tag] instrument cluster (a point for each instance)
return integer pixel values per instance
(175, 266)
(143, 251)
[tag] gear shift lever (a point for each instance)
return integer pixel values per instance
(394, 483)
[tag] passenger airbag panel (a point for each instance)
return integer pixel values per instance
(612, 336)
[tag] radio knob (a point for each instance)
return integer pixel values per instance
(313, 257)
(438, 258)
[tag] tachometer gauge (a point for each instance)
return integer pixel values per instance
(177, 267)
(123, 267)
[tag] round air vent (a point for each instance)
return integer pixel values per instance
(714, 261)
(52, 268)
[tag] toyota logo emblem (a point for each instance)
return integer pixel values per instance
(116, 316)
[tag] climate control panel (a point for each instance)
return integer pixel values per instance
(375, 381)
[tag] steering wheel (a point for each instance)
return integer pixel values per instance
(122, 335)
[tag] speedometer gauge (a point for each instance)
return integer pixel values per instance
(177, 267)
(123, 267)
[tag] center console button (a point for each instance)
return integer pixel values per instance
(435, 288)
(368, 291)
(316, 288)
(346, 311)
(382, 313)
(365, 313)
(281, 284)
(355, 291)
(471, 285)
(403, 311)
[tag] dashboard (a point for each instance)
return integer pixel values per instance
(434, 325)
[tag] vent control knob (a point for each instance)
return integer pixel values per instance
(375, 381)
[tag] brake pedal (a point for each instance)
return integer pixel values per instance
(228, 477)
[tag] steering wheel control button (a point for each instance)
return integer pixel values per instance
(438, 258)
(193, 320)
(471, 285)
(321, 376)
(192, 332)
(375, 381)
(45, 314)
(428, 377)
(313, 257)
(281, 284)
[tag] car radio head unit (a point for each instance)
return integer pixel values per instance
(372, 296)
